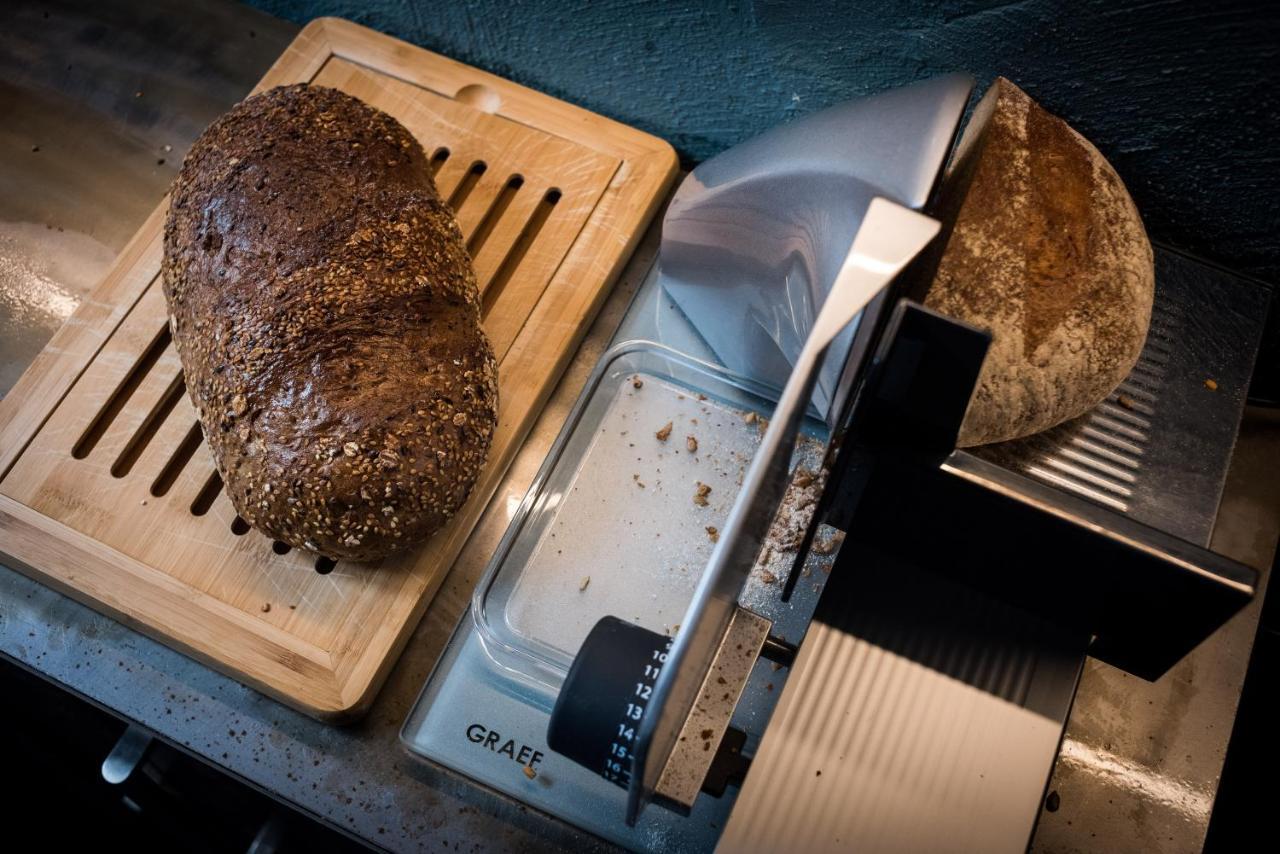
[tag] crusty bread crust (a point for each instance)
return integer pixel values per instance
(1049, 253)
(328, 321)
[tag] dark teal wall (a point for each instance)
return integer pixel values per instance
(1180, 96)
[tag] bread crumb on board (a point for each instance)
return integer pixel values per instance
(529, 772)
(713, 533)
(664, 432)
(700, 494)
(691, 442)
(583, 586)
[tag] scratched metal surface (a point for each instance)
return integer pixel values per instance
(1157, 449)
(1140, 763)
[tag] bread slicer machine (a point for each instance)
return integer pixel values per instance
(756, 599)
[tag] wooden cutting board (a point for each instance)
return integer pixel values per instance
(107, 491)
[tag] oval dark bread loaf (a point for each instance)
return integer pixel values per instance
(327, 317)
(1048, 253)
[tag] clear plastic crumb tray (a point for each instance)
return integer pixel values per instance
(624, 515)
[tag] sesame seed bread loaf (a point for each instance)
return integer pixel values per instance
(328, 321)
(1048, 253)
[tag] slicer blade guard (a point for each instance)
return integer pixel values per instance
(754, 237)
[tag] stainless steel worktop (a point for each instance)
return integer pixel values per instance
(98, 103)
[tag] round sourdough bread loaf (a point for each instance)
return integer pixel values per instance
(327, 317)
(1048, 253)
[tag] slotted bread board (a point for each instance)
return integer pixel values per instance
(107, 490)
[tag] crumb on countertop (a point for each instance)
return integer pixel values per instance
(664, 432)
(787, 531)
(700, 494)
(826, 545)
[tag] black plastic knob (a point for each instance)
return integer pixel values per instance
(605, 695)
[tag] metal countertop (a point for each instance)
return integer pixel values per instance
(98, 103)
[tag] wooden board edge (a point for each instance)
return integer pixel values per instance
(28, 546)
(529, 107)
